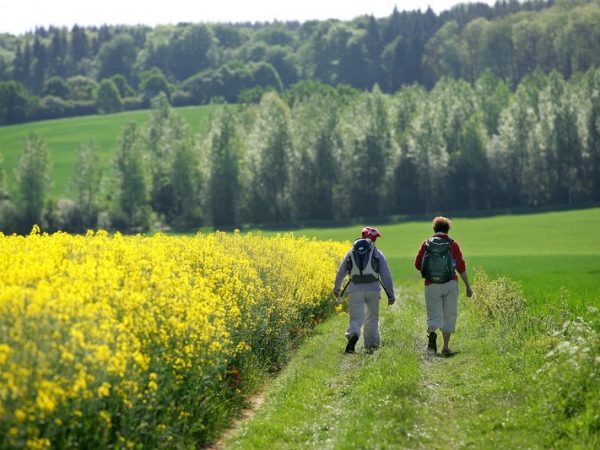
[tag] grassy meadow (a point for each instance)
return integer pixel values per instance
(548, 253)
(63, 136)
(527, 371)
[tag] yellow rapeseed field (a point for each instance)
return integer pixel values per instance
(143, 342)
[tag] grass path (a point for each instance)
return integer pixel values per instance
(327, 399)
(401, 397)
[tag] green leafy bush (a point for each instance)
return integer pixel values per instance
(498, 299)
(569, 381)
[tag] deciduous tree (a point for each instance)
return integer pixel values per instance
(34, 180)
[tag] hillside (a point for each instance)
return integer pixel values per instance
(63, 136)
(57, 72)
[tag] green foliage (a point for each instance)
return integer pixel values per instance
(174, 188)
(316, 143)
(14, 102)
(335, 153)
(82, 88)
(226, 155)
(500, 299)
(64, 136)
(117, 57)
(510, 40)
(33, 182)
(270, 150)
(56, 87)
(181, 51)
(125, 90)
(568, 385)
(3, 192)
(186, 180)
(108, 99)
(131, 210)
(86, 184)
(469, 163)
(153, 84)
(370, 147)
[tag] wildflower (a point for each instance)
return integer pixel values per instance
(38, 444)
(104, 390)
(105, 416)
(20, 415)
(104, 307)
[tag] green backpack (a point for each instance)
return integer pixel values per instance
(438, 264)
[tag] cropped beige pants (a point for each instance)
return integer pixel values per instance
(441, 300)
(363, 307)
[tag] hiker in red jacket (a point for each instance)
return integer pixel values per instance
(438, 260)
(369, 272)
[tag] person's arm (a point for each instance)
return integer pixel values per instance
(341, 274)
(419, 257)
(465, 279)
(461, 266)
(386, 278)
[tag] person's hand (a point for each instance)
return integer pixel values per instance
(469, 291)
(336, 292)
(391, 301)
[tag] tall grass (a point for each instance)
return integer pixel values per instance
(555, 358)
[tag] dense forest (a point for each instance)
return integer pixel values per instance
(477, 109)
(328, 153)
(58, 72)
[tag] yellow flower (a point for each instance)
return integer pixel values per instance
(104, 390)
(38, 444)
(20, 415)
(105, 416)
(102, 309)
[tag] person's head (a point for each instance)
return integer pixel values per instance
(441, 224)
(370, 233)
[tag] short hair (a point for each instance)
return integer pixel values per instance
(441, 224)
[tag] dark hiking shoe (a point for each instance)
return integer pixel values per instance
(352, 340)
(447, 353)
(372, 349)
(432, 345)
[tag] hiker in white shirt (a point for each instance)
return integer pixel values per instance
(369, 272)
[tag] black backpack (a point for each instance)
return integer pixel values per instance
(438, 264)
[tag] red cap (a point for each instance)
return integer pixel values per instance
(370, 233)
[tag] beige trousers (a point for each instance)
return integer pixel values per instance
(441, 300)
(363, 307)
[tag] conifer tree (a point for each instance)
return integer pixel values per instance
(225, 162)
(271, 148)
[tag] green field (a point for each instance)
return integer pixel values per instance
(546, 252)
(63, 136)
(524, 378)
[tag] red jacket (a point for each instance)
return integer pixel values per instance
(454, 250)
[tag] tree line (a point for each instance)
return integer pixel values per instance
(57, 72)
(318, 152)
